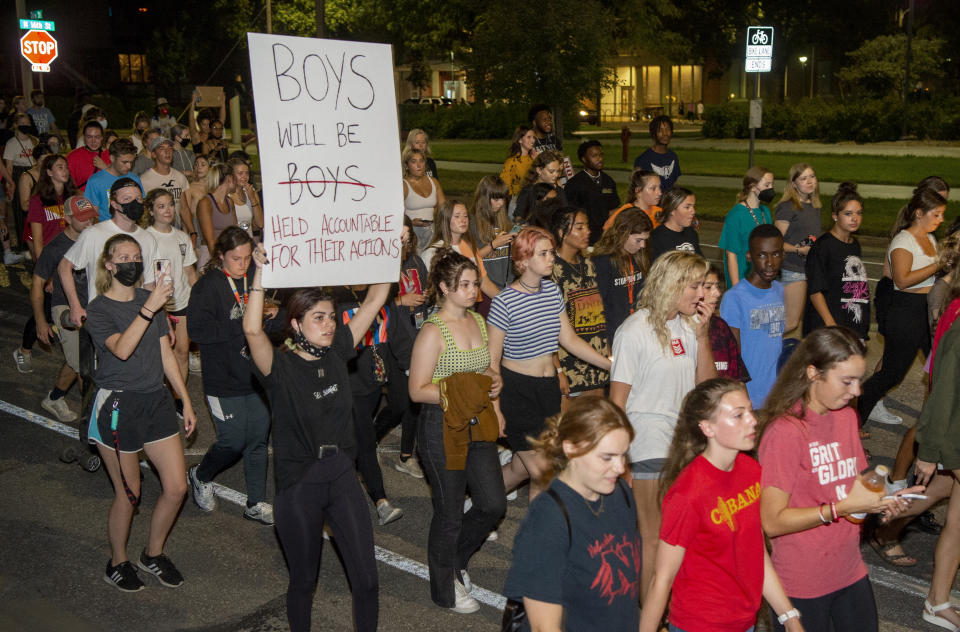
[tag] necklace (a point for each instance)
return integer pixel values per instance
(755, 220)
(530, 288)
(595, 178)
(595, 512)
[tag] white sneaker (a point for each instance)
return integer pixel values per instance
(881, 415)
(261, 512)
(58, 408)
(202, 492)
(388, 513)
(466, 580)
(24, 361)
(465, 604)
(11, 258)
(467, 504)
(493, 536)
(505, 456)
(193, 362)
(410, 467)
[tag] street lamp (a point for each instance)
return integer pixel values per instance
(803, 72)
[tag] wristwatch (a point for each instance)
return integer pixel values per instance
(793, 613)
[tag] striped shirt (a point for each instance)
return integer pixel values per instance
(529, 320)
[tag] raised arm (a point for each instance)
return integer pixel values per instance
(706, 368)
(261, 350)
(361, 321)
(124, 344)
(192, 118)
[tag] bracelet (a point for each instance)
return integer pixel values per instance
(143, 316)
(559, 370)
(833, 510)
(192, 234)
(152, 311)
(792, 613)
(255, 289)
(820, 513)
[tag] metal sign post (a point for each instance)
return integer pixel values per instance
(759, 58)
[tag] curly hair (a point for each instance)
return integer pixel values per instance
(447, 266)
(669, 275)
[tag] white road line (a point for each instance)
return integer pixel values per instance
(405, 564)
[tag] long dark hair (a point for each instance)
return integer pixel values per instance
(302, 300)
(671, 201)
(518, 134)
(231, 237)
(45, 187)
(446, 267)
(924, 199)
(632, 221)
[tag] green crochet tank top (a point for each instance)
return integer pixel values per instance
(453, 359)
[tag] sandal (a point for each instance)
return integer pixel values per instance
(884, 551)
(930, 615)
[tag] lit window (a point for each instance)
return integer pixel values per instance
(133, 68)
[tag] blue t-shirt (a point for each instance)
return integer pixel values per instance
(596, 577)
(760, 317)
(98, 190)
(667, 166)
(529, 320)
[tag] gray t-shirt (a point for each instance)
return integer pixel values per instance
(143, 370)
(804, 223)
(46, 268)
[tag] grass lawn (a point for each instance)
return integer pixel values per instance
(712, 203)
(856, 168)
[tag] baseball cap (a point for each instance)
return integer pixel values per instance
(80, 208)
(159, 140)
(122, 183)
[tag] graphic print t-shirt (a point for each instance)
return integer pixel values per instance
(834, 269)
(597, 576)
(585, 312)
(760, 317)
(667, 166)
(715, 516)
(815, 461)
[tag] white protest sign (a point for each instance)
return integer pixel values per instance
(330, 160)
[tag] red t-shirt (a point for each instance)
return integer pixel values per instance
(815, 461)
(715, 516)
(80, 161)
(50, 217)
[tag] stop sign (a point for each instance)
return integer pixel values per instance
(39, 48)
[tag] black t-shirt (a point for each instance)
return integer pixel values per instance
(47, 267)
(386, 335)
(597, 199)
(311, 405)
(617, 290)
(663, 239)
(431, 168)
(596, 577)
(413, 280)
(666, 165)
(527, 202)
(835, 269)
(143, 370)
(549, 142)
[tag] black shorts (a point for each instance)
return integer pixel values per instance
(178, 312)
(526, 403)
(142, 418)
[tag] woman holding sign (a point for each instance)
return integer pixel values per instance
(313, 442)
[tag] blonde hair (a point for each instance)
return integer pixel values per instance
(669, 275)
(217, 173)
(412, 136)
(584, 424)
(790, 191)
(105, 277)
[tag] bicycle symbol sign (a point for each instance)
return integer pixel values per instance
(759, 37)
(759, 51)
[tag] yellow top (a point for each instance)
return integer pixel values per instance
(515, 169)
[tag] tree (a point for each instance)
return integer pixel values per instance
(172, 55)
(556, 56)
(877, 68)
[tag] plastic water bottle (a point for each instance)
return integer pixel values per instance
(875, 481)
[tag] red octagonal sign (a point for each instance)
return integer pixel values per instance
(39, 48)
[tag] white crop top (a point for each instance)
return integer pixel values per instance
(904, 240)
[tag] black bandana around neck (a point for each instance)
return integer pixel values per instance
(307, 346)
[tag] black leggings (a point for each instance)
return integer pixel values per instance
(850, 608)
(30, 327)
(329, 491)
(398, 411)
(906, 333)
(364, 405)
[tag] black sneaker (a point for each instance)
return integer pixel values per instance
(927, 523)
(123, 576)
(162, 568)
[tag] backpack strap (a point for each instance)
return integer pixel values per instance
(626, 495)
(566, 516)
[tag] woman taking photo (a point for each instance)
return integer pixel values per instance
(622, 260)
(246, 202)
(422, 195)
(715, 563)
(576, 277)
(451, 225)
(811, 454)
(798, 218)
(215, 210)
(676, 231)
(517, 165)
(660, 353)
(645, 186)
(751, 210)
(912, 256)
(528, 322)
(451, 358)
(576, 557)
(313, 443)
(491, 227)
(132, 410)
(545, 170)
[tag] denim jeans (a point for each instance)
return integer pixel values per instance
(455, 536)
(243, 425)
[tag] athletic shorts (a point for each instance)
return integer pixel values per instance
(69, 338)
(789, 276)
(526, 403)
(648, 470)
(142, 418)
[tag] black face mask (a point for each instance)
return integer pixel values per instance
(184, 142)
(133, 209)
(128, 272)
(766, 196)
(25, 129)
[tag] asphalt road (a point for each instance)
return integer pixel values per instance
(54, 544)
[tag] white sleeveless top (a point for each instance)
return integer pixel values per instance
(417, 206)
(245, 215)
(905, 241)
